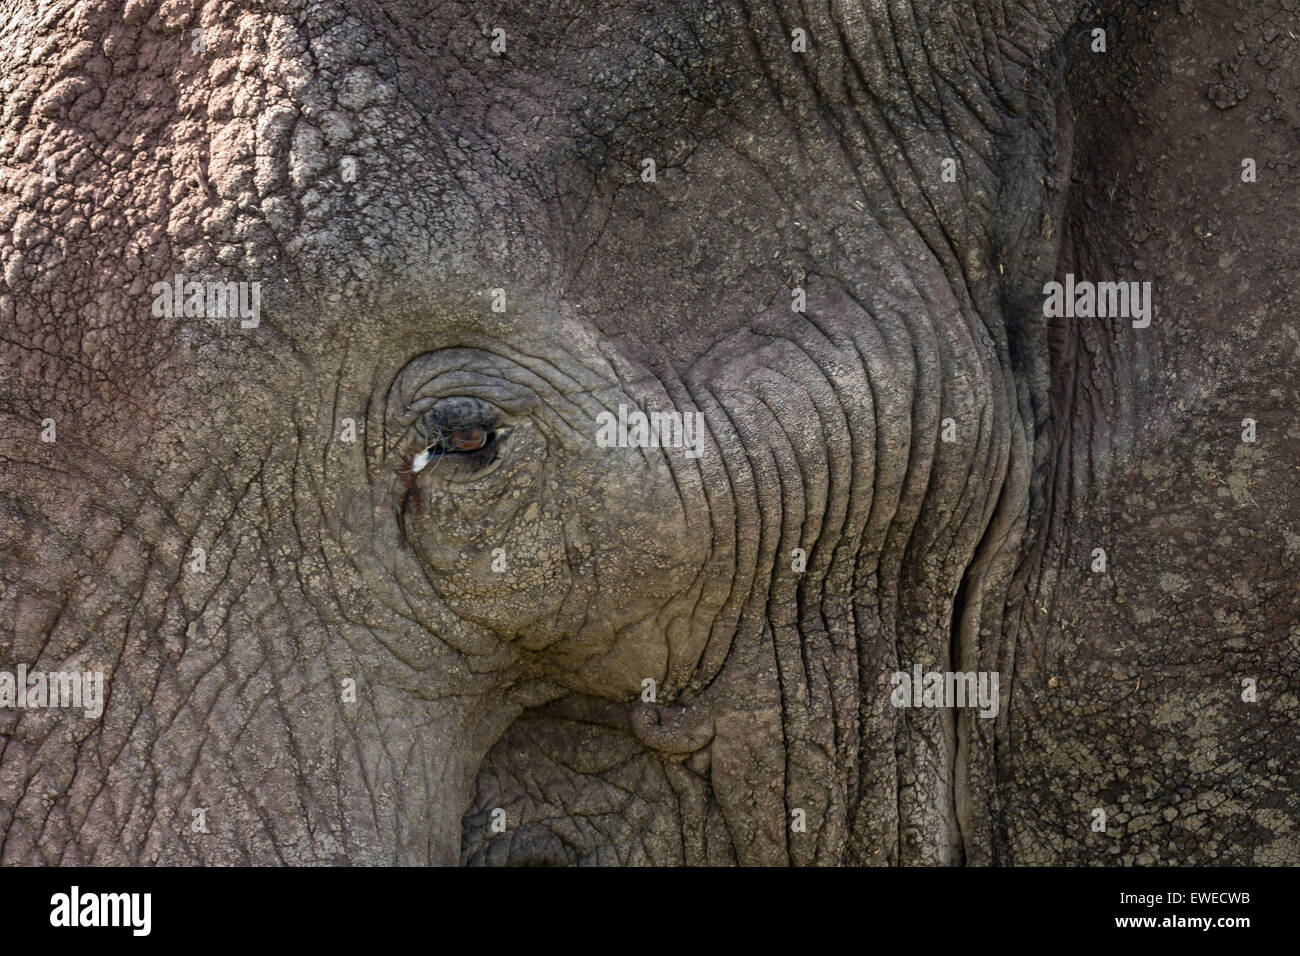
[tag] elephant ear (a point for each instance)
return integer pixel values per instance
(1158, 599)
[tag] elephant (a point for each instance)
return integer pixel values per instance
(690, 432)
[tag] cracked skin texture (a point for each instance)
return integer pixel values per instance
(520, 688)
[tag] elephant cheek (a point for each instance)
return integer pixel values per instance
(582, 563)
(508, 581)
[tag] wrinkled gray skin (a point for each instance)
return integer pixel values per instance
(521, 688)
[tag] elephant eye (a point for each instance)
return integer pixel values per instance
(457, 430)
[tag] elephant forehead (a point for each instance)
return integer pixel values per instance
(357, 160)
(342, 142)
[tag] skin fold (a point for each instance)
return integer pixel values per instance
(364, 586)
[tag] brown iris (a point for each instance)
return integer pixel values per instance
(466, 439)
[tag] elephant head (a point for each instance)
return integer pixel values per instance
(552, 432)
